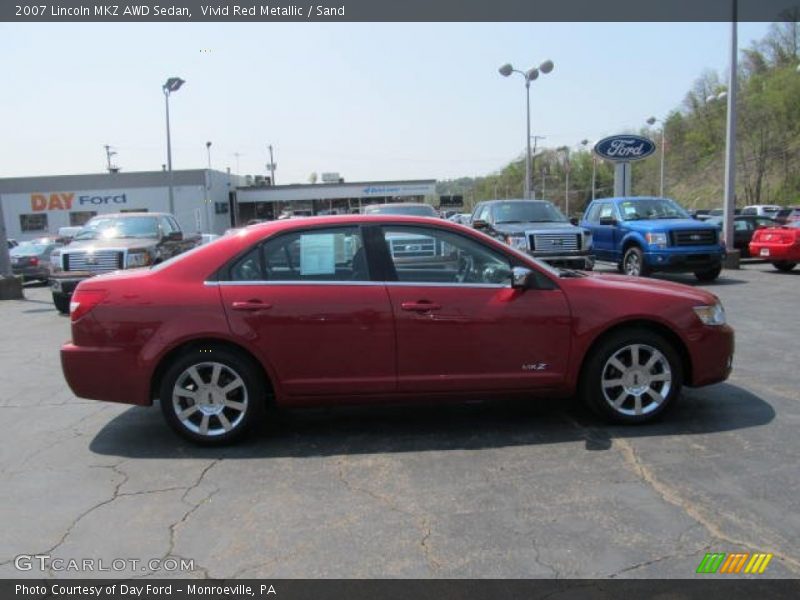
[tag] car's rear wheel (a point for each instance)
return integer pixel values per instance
(633, 263)
(784, 265)
(61, 302)
(212, 395)
(633, 376)
(709, 274)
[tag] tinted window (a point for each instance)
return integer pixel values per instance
(318, 255)
(518, 211)
(248, 267)
(750, 211)
(427, 255)
(651, 208)
(593, 215)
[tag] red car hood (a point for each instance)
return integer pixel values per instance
(639, 285)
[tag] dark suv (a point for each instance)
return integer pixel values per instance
(538, 228)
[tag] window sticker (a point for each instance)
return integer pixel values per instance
(317, 254)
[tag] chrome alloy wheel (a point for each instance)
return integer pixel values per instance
(209, 399)
(633, 264)
(636, 380)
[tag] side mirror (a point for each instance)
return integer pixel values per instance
(480, 224)
(608, 221)
(574, 221)
(174, 236)
(521, 278)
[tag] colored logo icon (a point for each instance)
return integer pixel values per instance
(735, 563)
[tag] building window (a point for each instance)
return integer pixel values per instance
(79, 218)
(35, 222)
(127, 210)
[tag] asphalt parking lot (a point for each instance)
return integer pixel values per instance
(507, 490)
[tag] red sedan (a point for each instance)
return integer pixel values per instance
(778, 245)
(359, 309)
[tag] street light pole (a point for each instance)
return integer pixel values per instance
(530, 75)
(730, 139)
(208, 151)
(173, 84)
(651, 121)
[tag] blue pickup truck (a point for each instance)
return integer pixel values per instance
(642, 235)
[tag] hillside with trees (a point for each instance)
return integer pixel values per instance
(767, 147)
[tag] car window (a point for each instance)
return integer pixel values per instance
(482, 214)
(248, 267)
(750, 210)
(319, 255)
(593, 215)
(427, 255)
(742, 225)
(606, 211)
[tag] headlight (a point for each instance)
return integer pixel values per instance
(55, 260)
(711, 315)
(140, 258)
(657, 239)
(517, 242)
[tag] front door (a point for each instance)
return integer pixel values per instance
(461, 326)
(306, 299)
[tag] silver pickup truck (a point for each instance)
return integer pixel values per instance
(538, 228)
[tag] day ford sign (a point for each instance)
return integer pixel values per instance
(624, 148)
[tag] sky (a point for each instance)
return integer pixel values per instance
(374, 101)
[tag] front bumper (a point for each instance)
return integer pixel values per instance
(581, 260)
(66, 282)
(711, 349)
(685, 260)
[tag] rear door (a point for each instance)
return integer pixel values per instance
(461, 327)
(306, 300)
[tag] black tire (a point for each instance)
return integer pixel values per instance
(61, 302)
(247, 400)
(633, 263)
(784, 265)
(598, 368)
(709, 274)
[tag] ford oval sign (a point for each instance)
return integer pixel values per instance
(624, 148)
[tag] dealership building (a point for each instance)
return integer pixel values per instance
(204, 200)
(38, 206)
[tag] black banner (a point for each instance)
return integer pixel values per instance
(735, 588)
(394, 10)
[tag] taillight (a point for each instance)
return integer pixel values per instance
(33, 261)
(83, 301)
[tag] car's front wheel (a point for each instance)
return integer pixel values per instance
(633, 263)
(709, 274)
(633, 376)
(212, 395)
(61, 302)
(784, 265)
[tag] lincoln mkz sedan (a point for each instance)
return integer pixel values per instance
(359, 309)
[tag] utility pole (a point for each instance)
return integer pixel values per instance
(730, 146)
(271, 166)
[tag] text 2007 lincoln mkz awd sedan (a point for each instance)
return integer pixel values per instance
(358, 309)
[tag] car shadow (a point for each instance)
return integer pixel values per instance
(141, 432)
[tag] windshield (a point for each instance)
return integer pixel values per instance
(651, 208)
(414, 210)
(517, 211)
(119, 227)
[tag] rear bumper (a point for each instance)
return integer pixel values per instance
(711, 351)
(41, 272)
(777, 252)
(106, 373)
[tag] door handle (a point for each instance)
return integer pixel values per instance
(422, 306)
(251, 305)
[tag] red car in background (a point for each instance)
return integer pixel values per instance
(778, 245)
(358, 309)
